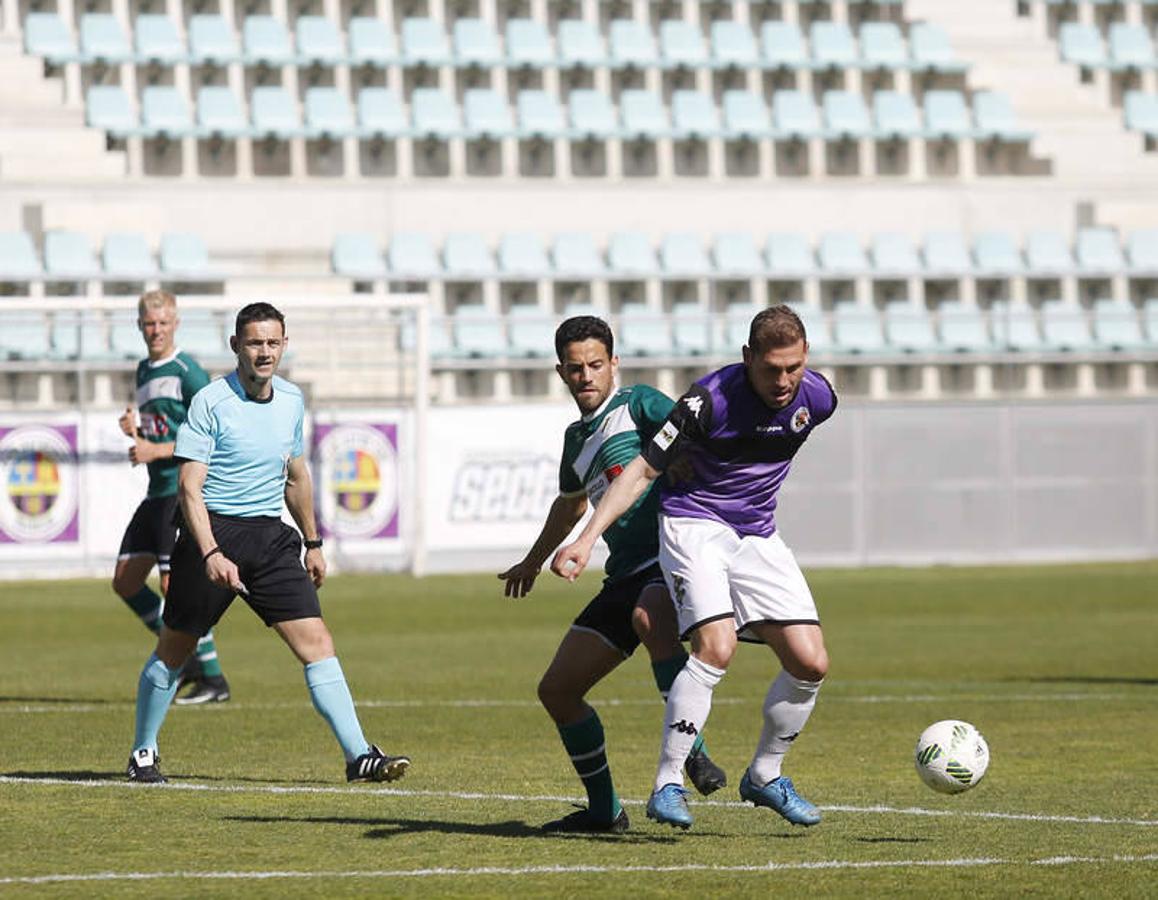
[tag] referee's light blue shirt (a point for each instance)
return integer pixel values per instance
(246, 443)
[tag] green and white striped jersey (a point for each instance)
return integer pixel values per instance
(165, 389)
(596, 449)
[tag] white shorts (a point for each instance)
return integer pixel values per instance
(713, 573)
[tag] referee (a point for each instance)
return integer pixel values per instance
(241, 452)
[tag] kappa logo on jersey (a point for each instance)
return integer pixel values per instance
(800, 420)
(666, 436)
(695, 404)
(683, 726)
(681, 590)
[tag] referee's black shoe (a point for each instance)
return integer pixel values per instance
(374, 765)
(704, 774)
(144, 767)
(206, 689)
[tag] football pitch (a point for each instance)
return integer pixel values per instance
(1057, 666)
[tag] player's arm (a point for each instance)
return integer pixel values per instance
(190, 484)
(144, 451)
(565, 512)
(299, 500)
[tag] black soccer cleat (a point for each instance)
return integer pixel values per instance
(144, 767)
(208, 689)
(705, 776)
(582, 822)
(375, 765)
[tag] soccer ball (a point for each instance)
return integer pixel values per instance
(951, 756)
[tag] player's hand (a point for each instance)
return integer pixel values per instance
(520, 578)
(128, 422)
(222, 571)
(316, 566)
(571, 560)
(142, 452)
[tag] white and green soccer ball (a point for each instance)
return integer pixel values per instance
(951, 756)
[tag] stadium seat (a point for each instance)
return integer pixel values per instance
(24, 336)
(265, 42)
(68, 256)
(356, 255)
(945, 253)
(592, 115)
(1098, 250)
(815, 328)
(642, 331)
(832, 45)
(530, 331)
(947, 115)
(910, 329)
(18, 259)
(275, 113)
(528, 45)
(643, 114)
(319, 42)
(1081, 45)
(789, 255)
(80, 335)
(630, 45)
(994, 117)
(107, 107)
(1116, 326)
(681, 46)
(46, 36)
(745, 116)
(212, 41)
(1064, 327)
(735, 255)
(328, 114)
(157, 41)
(435, 114)
(380, 114)
(737, 324)
(996, 253)
(413, 257)
(963, 328)
(794, 115)
(895, 115)
(580, 46)
(487, 114)
(691, 329)
(575, 256)
(124, 335)
(475, 44)
(371, 43)
(894, 254)
(466, 255)
(1130, 47)
(102, 40)
(424, 43)
(882, 46)
(930, 50)
(845, 116)
(694, 116)
(164, 113)
(857, 330)
(1016, 328)
(782, 46)
(682, 255)
(219, 113)
(522, 255)
(1046, 252)
(127, 255)
(539, 115)
(734, 46)
(840, 253)
(1142, 250)
(1140, 110)
(1150, 318)
(630, 255)
(478, 332)
(184, 255)
(202, 335)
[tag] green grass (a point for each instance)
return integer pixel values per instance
(1057, 666)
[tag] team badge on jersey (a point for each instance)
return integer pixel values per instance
(665, 436)
(800, 420)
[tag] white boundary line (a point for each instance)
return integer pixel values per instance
(547, 798)
(505, 871)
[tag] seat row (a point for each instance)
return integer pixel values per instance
(96, 337)
(1126, 48)
(69, 256)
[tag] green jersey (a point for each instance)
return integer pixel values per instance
(164, 390)
(596, 449)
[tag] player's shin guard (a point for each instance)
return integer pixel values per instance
(207, 656)
(665, 672)
(155, 690)
(688, 705)
(585, 744)
(331, 697)
(787, 706)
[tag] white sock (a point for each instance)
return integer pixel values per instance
(787, 706)
(688, 703)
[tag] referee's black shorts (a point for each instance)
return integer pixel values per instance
(268, 556)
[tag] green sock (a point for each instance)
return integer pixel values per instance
(665, 672)
(585, 744)
(147, 605)
(207, 656)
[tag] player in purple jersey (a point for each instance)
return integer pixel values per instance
(730, 574)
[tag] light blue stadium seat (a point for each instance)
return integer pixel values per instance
(1015, 328)
(734, 46)
(682, 255)
(466, 255)
(46, 36)
(1098, 250)
(528, 45)
(794, 115)
(643, 114)
(946, 253)
(737, 322)
(413, 256)
(580, 46)
(1117, 327)
(102, 40)
(841, 253)
(265, 41)
(1140, 110)
(592, 115)
(745, 116)
(1081, 45)
(127, 255)
(24, 336)
(845, 115)
(381, 114)
(356, 255)
(996, 253)
(882, 46)
(1130, 47)
(107, 107)
(184, 255)
(681, 46)
(642, 331)
(963, 329)
(577, 308)
(782, 46)
(1150, 318)
(857, 330)
(1046, 252)
(487, 114)
(478, 332)
(1142, 250)
(910, 329)
(212, 41)
(124, 335)
(164, 113)
(157, 40)
(575, 256)
(815, 328)
(947, 115)
(439, 344)
(789, 255)
(319, 42)
(994, 117)
(371, 42)
(895, 115)
(1064, 327)
(424, 43)
(691, 329)
(694, 116)
(530, 331)
(893, 253)
(275, 113)
(631, 45)
(539, 115)
(832, 45)
(930, 50)
(328, 114)
(475, 44)
(522, 255)
(79, 335)
(630, 255)
(219, 113)
(202, 334)
(435, 114)
(735, 254)
(68, 255)
(18, 259)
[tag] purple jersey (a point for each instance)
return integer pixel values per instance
(739, 448)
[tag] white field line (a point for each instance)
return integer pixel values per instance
(549, 798)
(513, 871)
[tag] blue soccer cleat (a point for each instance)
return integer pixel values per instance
(779, 795)
(669, 806)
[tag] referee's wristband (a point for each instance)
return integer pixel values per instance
(313, 545)
(205, 558)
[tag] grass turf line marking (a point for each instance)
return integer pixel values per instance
(827, 865)
(548, 798)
